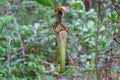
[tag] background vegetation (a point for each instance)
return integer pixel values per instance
(28, 44)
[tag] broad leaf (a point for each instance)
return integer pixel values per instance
(46, 2)
(78, 5)
(4, 0)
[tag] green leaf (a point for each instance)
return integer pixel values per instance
(6, 19)
(2, 50)
(62, 2)
(113, 15)
(17, 61)
(50, 78)
(4, 0)
(89, 35)
(2, 71)
(79, 5)
(30, 64)
(3, 44)
(46, 2)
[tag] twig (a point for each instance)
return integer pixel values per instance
(97, 34)
(108, 50)
(16, 25)
(18, 53)
(45, 62)
(8, 41)
(115, 39)
(117, 9)
(9, 58)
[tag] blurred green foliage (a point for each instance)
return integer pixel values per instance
(35, 27)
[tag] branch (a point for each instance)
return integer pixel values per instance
(117, 9)
(18, 51)
(45, 62)
(108, 50)
(17, 29)
(115, 39)
(97, 34)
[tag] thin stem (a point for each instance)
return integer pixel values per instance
(97, 34)
(115, 38)
(17, 29)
